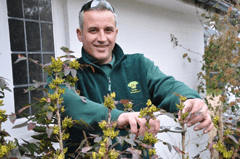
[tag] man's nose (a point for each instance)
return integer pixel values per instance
(102, 37)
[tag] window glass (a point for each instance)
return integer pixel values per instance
(16, 29)
(31, 35)
(47, 37)
(19, 71)
(45, 10)
(31, 9)
(35, 71)
(15, 8)
(21, 99)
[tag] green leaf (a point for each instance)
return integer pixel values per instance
(22, 150)
(189, 59)
(238, 124)
(40, 129)
(20, 125)
(40, 136)
(32, 148)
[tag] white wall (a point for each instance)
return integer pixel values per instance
(146, 29)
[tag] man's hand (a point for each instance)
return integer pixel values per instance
(198, 112)
(133, 120)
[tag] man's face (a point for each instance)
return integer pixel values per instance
(99, 34)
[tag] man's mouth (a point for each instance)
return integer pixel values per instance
(101, 46)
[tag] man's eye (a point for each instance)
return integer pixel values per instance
(92, 31)
(109, 30)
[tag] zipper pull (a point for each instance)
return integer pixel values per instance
(109, 85)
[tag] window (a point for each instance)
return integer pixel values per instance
(31, 35)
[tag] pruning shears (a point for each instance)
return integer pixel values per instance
(173, 129)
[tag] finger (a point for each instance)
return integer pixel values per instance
(155, 127)
(208, 129)
(143, 127)
(133, 125)
(205, 124)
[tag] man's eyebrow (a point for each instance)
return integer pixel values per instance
(92, 27)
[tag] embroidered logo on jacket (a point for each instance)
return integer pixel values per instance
(133, 86)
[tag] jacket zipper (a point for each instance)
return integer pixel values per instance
(109, 85)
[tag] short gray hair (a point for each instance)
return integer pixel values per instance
(80, 17)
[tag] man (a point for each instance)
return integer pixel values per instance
(131, 77)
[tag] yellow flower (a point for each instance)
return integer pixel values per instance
(109, 102)
(102, 124)
(149, 102)
(113, 95)
(94, 155)
(55, 129)
(74, 64)
(67, 122)
(66, 136)
(113, 154)
(56, 64)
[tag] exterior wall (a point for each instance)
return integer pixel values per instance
(143, 28)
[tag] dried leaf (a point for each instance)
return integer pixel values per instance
(20, 111)
(49, 131)
(210, 146)
(169, 146)
(232, 138)
(83, 99)
(178, 150)
(2, 83)
(20, 58)
(31, 126)
(86, 149)
(73, 72)
(185, 55)
(135, 153)
(49, 115)
(197, 156)
(97, 139)
(4, 133)
(12, 118)
(66, 71)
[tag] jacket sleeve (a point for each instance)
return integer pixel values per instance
(161, 88)
(88, 111)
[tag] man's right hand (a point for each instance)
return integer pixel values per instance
(132, 119)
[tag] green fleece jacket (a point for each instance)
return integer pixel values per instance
(132, 77)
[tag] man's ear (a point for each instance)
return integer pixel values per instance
(79, 34)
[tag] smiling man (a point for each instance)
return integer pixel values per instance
(131, 77)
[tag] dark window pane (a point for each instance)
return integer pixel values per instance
(47, 59)
(21, 99)
(45, 10)
(35, 71)
(16, 35)
(31, 9)
(19, 71)
(47, 37)
(33, 36)
(15, 8)
(34, 96)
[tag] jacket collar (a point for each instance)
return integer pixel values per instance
(117, 51)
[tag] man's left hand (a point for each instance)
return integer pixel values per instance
(198, 112)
